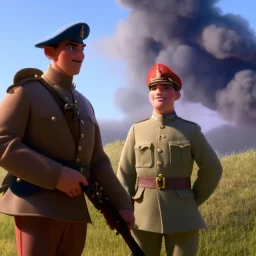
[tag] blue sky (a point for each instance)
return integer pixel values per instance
(23, 23)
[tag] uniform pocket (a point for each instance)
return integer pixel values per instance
(180, 153)
(144, 155)
(51, 123)
(52, 114)
(138, 196)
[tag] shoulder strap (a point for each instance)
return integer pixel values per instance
(59, 100)
(65, 107)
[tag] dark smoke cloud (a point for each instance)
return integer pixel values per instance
(214, 54)
(238, 99)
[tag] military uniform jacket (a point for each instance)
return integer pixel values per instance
(30, 114)
(168, 145)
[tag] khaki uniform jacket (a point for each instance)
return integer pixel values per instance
(168, 145)
(30, 114)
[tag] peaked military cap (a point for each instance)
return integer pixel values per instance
(76, 32)
(162, 74)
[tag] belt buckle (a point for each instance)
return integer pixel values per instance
(160, 182)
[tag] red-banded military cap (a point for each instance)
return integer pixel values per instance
(162, 74)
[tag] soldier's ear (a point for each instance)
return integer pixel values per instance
(178, 94)
(49, 52)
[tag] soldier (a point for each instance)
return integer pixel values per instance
(155, 168)
(36, 142)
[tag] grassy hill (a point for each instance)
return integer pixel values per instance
(230, 214)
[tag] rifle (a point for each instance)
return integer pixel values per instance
(94, 193)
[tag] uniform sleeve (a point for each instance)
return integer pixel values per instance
(15, 157)
(126, 170)
(102, 172)
(210, 169)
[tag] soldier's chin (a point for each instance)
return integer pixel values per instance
(76, 72)
(159, 106)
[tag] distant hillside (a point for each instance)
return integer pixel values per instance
(229, 214)
(228, 139)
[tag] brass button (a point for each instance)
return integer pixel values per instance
(159, 150)
(81, 169)
(18, 180)
(159, 163)
(76, 101)
(162, 126)
(53, 118)
(77, 160)
(77, 112)
(82, 135)
(80, 148)
(82, 121)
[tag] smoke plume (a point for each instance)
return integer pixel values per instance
(214, 54)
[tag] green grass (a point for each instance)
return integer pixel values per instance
(230, 214)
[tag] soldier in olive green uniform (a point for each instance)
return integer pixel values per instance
(36, 142)
(155, 168)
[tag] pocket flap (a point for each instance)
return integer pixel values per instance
(142, 146)
(138, 193)
(180, 144)
(51, 113)
(185, 193)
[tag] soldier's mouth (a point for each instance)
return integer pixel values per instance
(77, 61)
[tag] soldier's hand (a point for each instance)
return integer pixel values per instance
(69, 182)
(128, 216)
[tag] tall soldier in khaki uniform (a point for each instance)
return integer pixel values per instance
(35, 143)
(155, 168)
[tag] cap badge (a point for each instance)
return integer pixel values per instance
(158, 72)
(158, 75)
(82, 32)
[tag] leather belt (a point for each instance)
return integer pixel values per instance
(161, 182)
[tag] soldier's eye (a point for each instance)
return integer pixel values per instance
(71, 47)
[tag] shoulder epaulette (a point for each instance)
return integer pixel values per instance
(24, 75)
(142, 120)
(188, 121)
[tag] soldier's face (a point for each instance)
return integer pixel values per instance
(162, 98)
(68, 58)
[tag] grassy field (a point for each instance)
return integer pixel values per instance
(230, 215)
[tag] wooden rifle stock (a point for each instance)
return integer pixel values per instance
(94, 193)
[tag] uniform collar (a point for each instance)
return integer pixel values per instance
(164, 118)
(54, 78)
